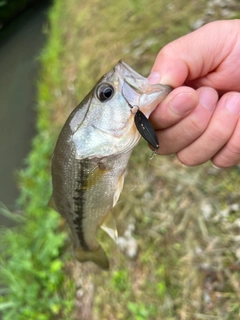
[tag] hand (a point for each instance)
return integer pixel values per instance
(192, 121)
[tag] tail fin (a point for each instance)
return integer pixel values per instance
(98, 256)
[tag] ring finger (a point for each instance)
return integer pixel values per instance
(218, 132)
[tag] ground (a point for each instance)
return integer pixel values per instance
(184, 220)
(180, 224)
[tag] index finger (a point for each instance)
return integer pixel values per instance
(176, 106)
(195, 55)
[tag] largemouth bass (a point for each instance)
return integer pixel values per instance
(92, 153)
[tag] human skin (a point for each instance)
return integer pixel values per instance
(199, 119)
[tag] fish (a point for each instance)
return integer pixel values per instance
(91, 155)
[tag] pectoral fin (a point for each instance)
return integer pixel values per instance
(118, 190)
(109, 223)
(110, 227)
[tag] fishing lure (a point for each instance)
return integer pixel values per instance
(143, 125)
(146, 129)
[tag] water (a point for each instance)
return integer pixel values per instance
(20, 45)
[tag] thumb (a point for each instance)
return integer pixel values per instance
(194, 55)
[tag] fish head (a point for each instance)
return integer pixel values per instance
(103, 124)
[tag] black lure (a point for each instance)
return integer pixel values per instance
(145, 129)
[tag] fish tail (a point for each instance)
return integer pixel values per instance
(98, 256)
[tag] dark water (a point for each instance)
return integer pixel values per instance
(20, 45)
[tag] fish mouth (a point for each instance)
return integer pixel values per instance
(137, 91)
(131, 78)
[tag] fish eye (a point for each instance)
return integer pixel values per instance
(105, 92)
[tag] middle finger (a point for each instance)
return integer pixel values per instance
(183, 133)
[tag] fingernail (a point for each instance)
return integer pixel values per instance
(183, 103)
(208, 99)
(233, 104)
(154, 77)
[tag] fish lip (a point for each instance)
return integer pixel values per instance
(126, 70)
(135, 85)
(145, 87)
(136, 81)
(132, 83)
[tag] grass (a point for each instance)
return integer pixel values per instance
(31, 263)
(186, 219)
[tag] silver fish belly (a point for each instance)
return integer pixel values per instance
(92, 152)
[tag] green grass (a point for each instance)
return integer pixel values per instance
(32, 256)
(186, 219)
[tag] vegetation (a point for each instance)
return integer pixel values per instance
(31, 263)
(186, 219)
